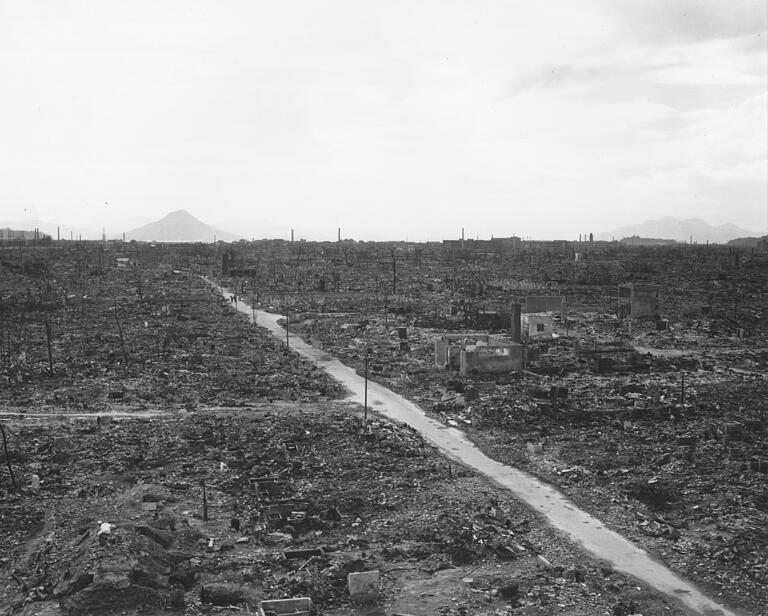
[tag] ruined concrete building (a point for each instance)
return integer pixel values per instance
(537, 325)
(639, 301)
(478, 353)
(538, 321)
(15, 234)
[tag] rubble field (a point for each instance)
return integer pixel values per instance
(134, 338)
(163, 454)
(657, 427)
(157, 393)
(297, 496)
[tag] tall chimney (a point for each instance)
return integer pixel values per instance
(517, 329)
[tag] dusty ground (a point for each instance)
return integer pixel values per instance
(235, 409)
(375, 498)
(647, 444)
(625, 446)
(186, 398)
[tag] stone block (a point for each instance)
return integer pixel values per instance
(364, 586)
(293, 607)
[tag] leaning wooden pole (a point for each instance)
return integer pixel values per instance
(8, 458)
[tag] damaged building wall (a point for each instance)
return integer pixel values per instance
(447, 354)
(477, 353)
(449, 346)
(537, 325)
(639, 301)
(491, 359)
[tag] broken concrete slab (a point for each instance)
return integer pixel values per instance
(364, 587)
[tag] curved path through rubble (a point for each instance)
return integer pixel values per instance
(581, 527)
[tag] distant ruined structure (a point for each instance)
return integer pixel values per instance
(8, 234)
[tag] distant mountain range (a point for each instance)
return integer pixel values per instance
(681, 230)
(179, 226)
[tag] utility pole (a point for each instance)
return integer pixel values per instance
(253, 300)
(682, 388)
(365, 396)
(394, 273)
(50, 351)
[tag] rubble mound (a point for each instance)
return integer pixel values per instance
(124, 571)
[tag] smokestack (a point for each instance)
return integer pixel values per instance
(291, 234)
(517, 329)
(57, 234)
(462, 238)
(339, 233)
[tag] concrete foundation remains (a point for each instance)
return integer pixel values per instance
(448, 348)
(603, 356)
(478, 353)
(286, 607)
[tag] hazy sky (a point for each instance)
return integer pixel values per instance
(391, 119)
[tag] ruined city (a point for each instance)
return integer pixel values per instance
(384, 308)
(464, 427)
